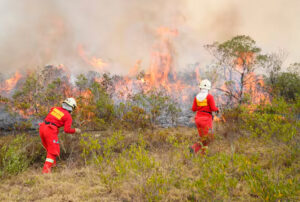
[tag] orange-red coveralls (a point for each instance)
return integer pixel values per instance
(56, 118)
(203, 121)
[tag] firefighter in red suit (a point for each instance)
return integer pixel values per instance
(49, 129)
(204, 105)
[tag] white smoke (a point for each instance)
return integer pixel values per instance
(120, 32)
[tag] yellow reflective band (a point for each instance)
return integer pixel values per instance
(202, 103)
(57, 114)
(50, 160)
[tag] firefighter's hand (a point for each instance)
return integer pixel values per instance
(77, 130)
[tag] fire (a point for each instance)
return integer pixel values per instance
(251, 85)
(135, 69)
(160, 73)
(197, 74)
(97, 63)
(244, 59)
(10, 83)
(86, 94)
(254, 87)
(162, 63)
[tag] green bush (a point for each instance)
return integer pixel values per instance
(19, 154)
(284, 84)
(215, 181)
(276, 120)
(98, 152)
(144, 110)
(135, 118)
(96, 109)
(90, 147)
(271, 187)
(23, 125)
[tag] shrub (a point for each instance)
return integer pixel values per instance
(23, 125)
(96, 108)
(90, 149)
(277, 120)
(215, 181)
(96, 151)
(17, 155)
(286, 85)
(135, 118)
(272, 187)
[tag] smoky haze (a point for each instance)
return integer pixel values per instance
(35, 33)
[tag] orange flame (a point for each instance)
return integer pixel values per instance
(97, 63)
(135, 69)
(10, 83)
(160, 73)
(161, 63)
(245, 58)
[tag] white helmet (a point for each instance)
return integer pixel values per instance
(205, 84)
(71, 102)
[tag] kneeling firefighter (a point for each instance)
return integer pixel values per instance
(204, 105)
(49, 129)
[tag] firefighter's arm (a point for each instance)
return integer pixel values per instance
(212, 104)
(67, 126)
(194, 108)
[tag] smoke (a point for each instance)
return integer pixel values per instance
(35, 33)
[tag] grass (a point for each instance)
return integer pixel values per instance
(153, 166)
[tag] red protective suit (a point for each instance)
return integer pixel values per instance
(56, 118)
(203, 121)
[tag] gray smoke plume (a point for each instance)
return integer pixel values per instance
(35, 33)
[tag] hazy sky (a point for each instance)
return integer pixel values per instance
(120, 32)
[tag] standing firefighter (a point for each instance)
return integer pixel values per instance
(57, 117)
(204, 104)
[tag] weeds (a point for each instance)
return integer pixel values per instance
(18, 155)
(128, 166)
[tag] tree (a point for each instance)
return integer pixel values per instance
(40, 91)
(237, 58)
(286, 85)
(278, 83)
(294, 68)
(28, 98)
(81, 82)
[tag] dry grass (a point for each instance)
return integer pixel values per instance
(177, 169)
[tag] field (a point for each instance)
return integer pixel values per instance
(150, 166)
(137, 130)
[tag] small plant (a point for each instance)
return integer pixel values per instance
(155, 187)
(90, 149)
(17, 155)
(276, 120)
(135, 118)
(270, 188)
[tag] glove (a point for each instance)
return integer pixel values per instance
(77, 130)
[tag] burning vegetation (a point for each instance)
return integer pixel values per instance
(157, 91)
(138, 126)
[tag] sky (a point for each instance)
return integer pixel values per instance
(35, 33)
